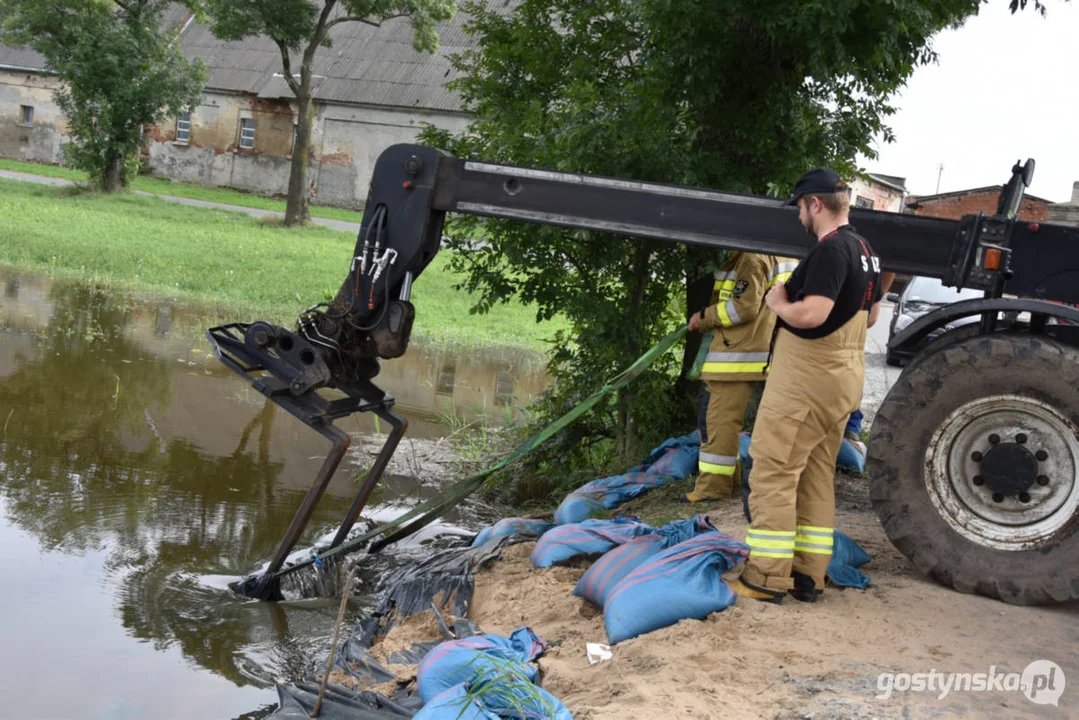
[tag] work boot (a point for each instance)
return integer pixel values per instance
(805, 589)
(692, 497)
(746, 590)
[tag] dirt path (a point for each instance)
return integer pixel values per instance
(791, 661)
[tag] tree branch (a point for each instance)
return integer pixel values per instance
(286, 63)
(320, 30)
(356, 18)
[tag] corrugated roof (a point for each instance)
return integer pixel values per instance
(365, 65)
(21, 57)
(892, 180)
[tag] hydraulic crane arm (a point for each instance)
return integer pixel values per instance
(338, 345)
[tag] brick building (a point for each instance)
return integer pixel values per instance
(954, 205)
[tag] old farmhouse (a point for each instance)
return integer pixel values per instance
(371, 89)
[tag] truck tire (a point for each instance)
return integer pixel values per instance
(974, 466)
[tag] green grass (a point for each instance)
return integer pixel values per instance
(162, 186)
(226, 261)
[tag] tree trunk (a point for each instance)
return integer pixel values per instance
(624, 433)
(114, 175)
(296, 211)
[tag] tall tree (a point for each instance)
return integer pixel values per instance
(737, 95)
(119, 68)
(302, 27)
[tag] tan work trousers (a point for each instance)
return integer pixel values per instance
(718, 460)
(812, 388)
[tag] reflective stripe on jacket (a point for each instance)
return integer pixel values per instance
(741, 322)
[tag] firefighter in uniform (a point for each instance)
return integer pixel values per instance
(742, 330)
(814, 384)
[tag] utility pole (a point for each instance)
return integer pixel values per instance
(940, 171)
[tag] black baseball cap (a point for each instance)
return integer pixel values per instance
(818, 180)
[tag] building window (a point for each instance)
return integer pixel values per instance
(863, 202)
(183, 128)
(247, 133)
(27, 114)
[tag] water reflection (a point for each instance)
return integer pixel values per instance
(130, 459)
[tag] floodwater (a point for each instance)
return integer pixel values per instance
(138, 476)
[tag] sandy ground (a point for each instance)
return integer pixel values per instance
(756, 660)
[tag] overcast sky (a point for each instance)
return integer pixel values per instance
(1006, 87)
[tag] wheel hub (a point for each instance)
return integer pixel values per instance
(1002, 471)
(1009, 469)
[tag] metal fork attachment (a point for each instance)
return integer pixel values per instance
(288, 369)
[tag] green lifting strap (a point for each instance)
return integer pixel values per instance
(426, 512)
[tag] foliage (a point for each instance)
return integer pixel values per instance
(299, 28)
(119, 68)
(741, 95)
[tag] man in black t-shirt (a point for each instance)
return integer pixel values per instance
(815, 383)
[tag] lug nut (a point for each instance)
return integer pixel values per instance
(1041, 455)
(1043, 480)
(976, 456)
(994, 438)
(997, 497)
(1021, 438)
(979, 480)
(1024, 497)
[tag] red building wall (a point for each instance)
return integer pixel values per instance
(955, 205)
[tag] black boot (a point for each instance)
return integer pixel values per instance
(804, 590)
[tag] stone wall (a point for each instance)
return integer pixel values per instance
(42, 139)
(345, 142)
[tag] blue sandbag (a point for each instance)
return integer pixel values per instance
(675, 459)
(493, 698)
(847, 556)
(679, 583)
(591, 537)
(850, 457)
(615, 564)
(527, 527)
(458, 661)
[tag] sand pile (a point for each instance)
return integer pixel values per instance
(756, 660)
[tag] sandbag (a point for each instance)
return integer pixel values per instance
(847, 556)
(493, 698)
(679, 583)
(675, 459)
(851, 456)
(458, 661)
(620, 561)
(590, 537)
(525, 527)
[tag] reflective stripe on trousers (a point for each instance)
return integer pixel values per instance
(811, 539)
(718, 464)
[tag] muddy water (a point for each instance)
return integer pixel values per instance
(138, 476)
